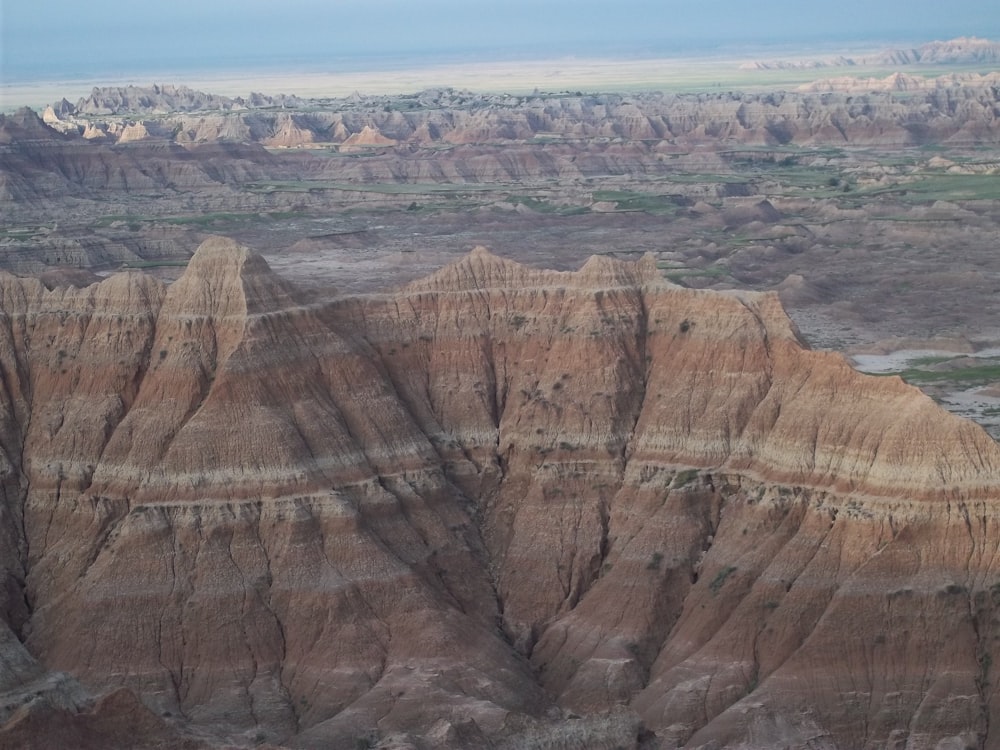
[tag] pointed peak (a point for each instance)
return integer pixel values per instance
(25, 125)
(227, 278)
(481, 256)
(224, 255)
(605, 269)
(219, 247)
(483, 269)
(478, 269)
(26, 117)
(369, 135)
(480, 251)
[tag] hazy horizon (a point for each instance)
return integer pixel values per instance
(62, 40)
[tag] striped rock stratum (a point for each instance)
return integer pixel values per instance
(499, 506)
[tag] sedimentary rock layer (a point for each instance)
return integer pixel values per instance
(462, 510)
(957, 105)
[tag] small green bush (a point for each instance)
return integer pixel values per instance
(684, 478)
(720, 578)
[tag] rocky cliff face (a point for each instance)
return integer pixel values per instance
(461, 512)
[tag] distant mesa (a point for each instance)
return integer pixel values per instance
(960, 51)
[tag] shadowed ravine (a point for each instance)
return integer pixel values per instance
(475, 510)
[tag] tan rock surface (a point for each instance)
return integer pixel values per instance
(367, 137)
(432, 513)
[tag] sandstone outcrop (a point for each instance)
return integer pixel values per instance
(459, 512)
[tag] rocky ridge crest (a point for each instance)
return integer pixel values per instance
(495, 492)
(867, 117)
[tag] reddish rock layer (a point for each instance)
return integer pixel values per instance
(437, 510)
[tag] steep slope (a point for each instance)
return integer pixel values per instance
(638, 579)
(248, 509)
(464, 509)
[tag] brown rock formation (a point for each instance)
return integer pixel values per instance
(438, 511)
(288, 131)
(133, 131)
(367, 137)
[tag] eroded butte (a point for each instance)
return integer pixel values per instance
(499, 507)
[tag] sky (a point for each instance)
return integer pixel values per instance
(63, 39)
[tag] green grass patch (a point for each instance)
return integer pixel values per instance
(930, 187)
(987, 373)
(697, 178)
(215, 219)
(204, 221)
(904, 219)
(144, 264)
(107, 221)
(934, 360)
(751, 152)
(383, 188)
(542, 206)
(21, 233)
(627, 200)
(720, 578)
(806, 178)
(684, 478)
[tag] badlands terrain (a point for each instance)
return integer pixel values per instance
(504, 420)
